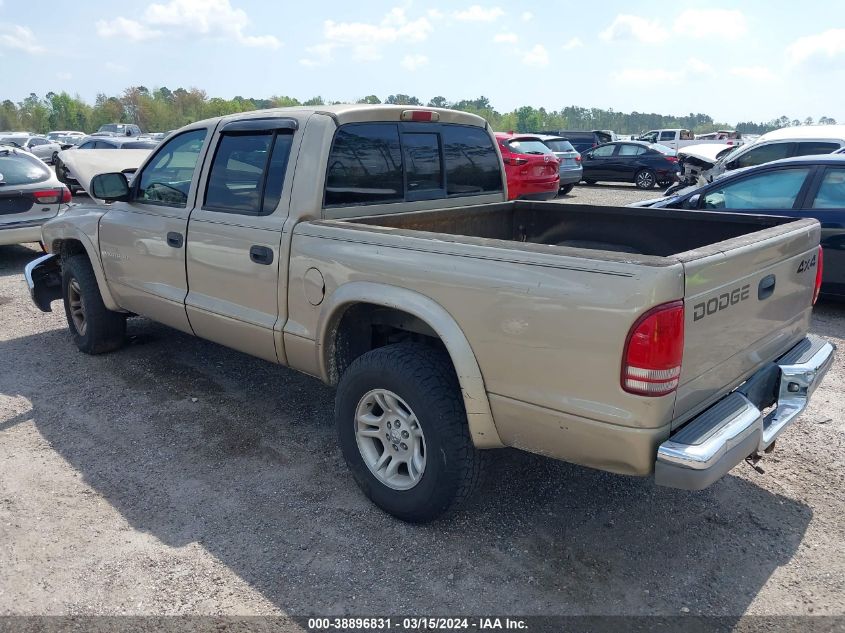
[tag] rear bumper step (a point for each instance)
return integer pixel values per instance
(735, 427)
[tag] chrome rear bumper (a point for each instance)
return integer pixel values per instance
(718, 439)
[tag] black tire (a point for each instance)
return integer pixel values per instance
(54, 158)
(424, 378)
(566, 189)
(645, 179)
(589, 181)
(103, 330)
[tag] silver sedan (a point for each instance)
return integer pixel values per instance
(30, 195)
(39, 146)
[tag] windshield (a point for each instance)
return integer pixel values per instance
(15, 141)
(528, 146)
(21, 169)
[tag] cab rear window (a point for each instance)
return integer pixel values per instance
(20, 169)
(377, 163)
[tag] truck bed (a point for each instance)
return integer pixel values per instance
(648, 232)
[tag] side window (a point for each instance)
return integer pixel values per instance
(247, 173)
(35, 142)
(166, 180)
(631, 150)
(603, 151)
(808, 148)
(103, 145)
(667, 136)
(472, 165)
(365, 165)
(686, 135)
(87, 145)
(765, 154)
(772, 190)
(423, 167)
(831, 194)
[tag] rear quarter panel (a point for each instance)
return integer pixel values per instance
(546, 329)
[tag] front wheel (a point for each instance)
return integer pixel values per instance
(566, 189)
(95, 329)
(54, 158)
(402, 427)
(645, 179)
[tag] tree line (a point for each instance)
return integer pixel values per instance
(162, 109)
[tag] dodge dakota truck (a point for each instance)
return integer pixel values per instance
(374, 247)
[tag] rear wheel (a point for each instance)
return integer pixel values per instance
(95, 329)
(645, 179)
(566, 189)
(54, 158)
(403, 431)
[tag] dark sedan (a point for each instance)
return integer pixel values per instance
(644, 164)
(802, 187)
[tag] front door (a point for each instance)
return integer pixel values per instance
(234, 237)
(142, 242)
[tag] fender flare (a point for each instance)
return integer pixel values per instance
(96, 264)
(479, 416)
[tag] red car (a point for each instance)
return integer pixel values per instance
(531, 167)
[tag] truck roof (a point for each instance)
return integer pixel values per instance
(359, 112)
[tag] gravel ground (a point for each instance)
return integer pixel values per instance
(179, 477)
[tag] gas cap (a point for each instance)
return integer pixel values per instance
(315, 286)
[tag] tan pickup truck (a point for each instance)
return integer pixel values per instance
(373, 247)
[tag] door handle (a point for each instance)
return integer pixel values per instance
(766, 287)
(261, 255)
(175, 239)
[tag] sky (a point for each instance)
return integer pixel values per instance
(749, 61)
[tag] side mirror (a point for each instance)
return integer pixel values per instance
(693, 201)
(111, 187)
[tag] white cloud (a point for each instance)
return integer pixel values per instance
(20, 38)
(648, 76)
(435, 14)
(633, 27)
(693, 68)
(506, 38)
(821, 48)
(697, 67)
(575, 42)
(527, 16)
(728, 24)
(537, 56)
(211, 18)
(413, 62)
(64, 76)
(126, 29)
(115, 68)
(477, 13)
(366, 40)
(754, 73)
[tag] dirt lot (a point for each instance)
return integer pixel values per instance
(178, 477)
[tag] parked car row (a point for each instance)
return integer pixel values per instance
(65, 175)
(802, 187)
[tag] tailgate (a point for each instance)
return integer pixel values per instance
(747, 301)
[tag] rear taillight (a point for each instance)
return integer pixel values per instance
(66, 197)
(819, 266)
(651, 362)
(48, 196)
(671, 159)
(514, 160)
(577, 158)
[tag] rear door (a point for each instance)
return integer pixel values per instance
(747, 304)
(234, 237)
